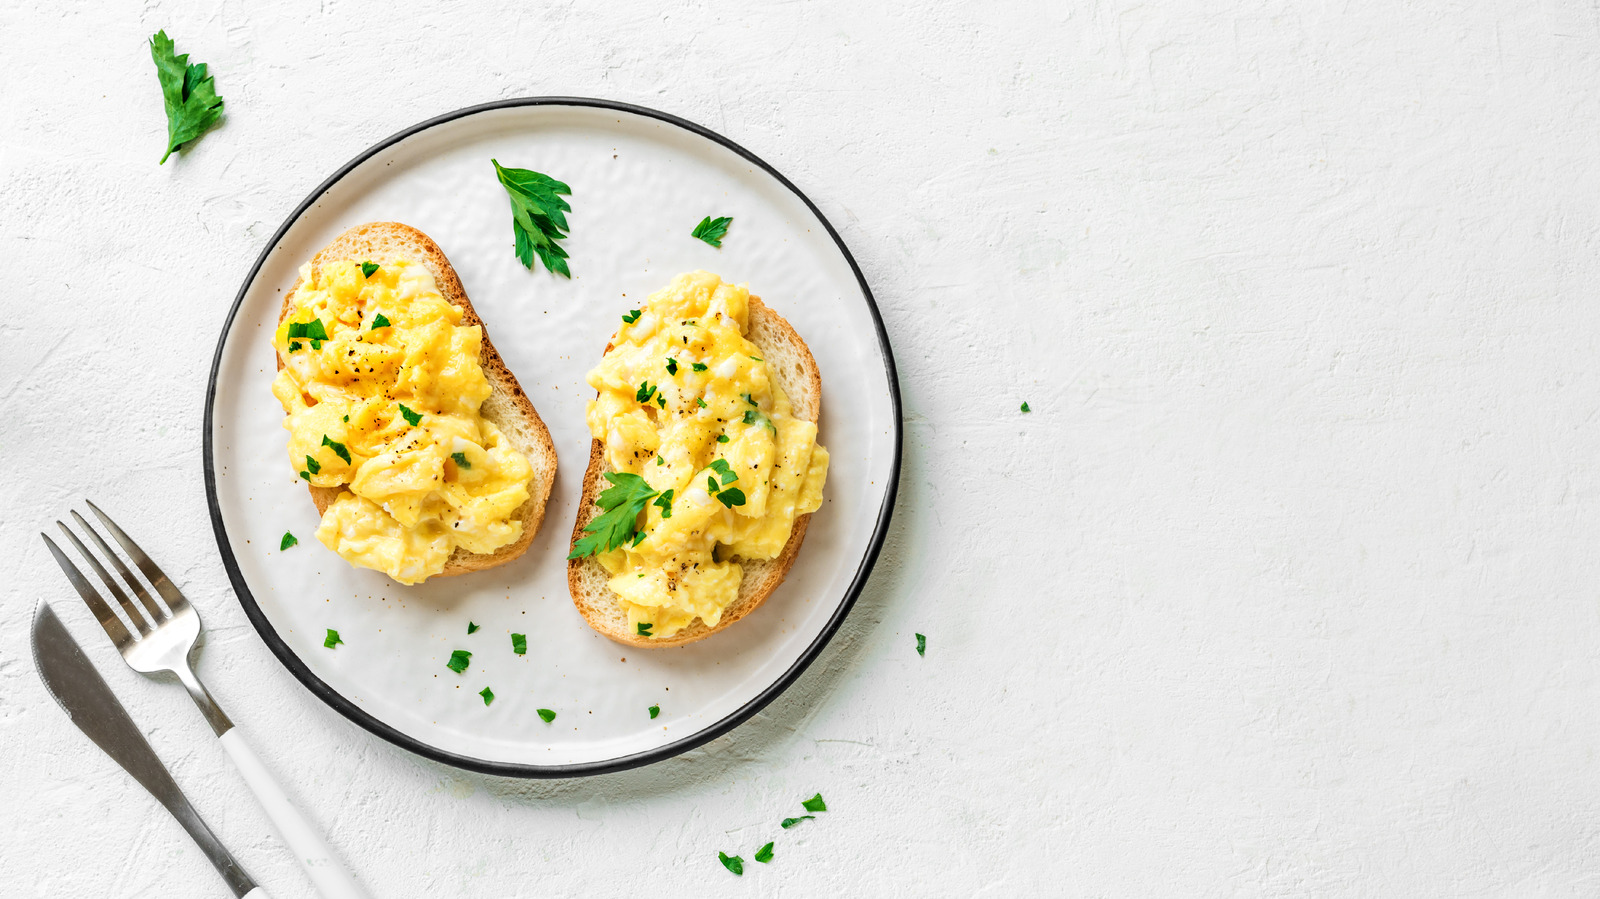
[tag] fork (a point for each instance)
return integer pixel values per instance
(163, 639)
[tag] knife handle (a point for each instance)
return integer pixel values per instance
(321, 865)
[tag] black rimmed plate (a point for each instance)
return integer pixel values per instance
(640, 181)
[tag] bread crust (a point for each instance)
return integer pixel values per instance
(769, 331)
(383, 242)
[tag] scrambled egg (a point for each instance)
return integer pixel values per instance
(381, 388)
(686, 402)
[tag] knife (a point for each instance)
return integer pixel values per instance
(83, 694)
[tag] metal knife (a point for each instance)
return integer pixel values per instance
(80, 690)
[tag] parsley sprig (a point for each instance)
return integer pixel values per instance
(618, 523)
(190, 95)
(538, 216)
(712, 230)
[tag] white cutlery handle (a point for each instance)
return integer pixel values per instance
(327, 873)
(257, 893)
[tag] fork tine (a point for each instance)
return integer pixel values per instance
(158, 579)
(128, 608)
(102, 612)
(157, 615)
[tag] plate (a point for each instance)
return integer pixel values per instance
(641, 180)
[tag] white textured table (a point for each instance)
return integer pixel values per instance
(1288, 585)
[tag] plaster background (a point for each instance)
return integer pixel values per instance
(1286, 586)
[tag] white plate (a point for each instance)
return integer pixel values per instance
(640, 181)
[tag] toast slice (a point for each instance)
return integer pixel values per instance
(793, 369)
(507, 407)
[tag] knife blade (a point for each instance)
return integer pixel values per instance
(89, 702)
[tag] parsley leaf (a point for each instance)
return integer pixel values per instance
(721, 467)
(367, 268)
(815, 804)
(731, 497)
(547, 715)
(722, 438)
(922, 645)
(306, 474)
(412, 418)
(700, 402)
(313, 466)
(338, 449)
(790, 822)
(379, 321)
(672, 366)
(472, 628)
(459, 660)
(732, 862)
(622, 502)
(660, 461)
(632, 316)
(764, 854)
(698, 366)
(643, 628)
(488, 695)
(294, 345)
(711, 484)
(189, 94)
(664, 502)
(645, 391)
(288, 541)
(519, 644)
(1025, 408)
(654, 711)
(332, 639)
(461, 460)
(311, 330)
(538, 216)
(755, 417)
(661, 400)
(712, 230)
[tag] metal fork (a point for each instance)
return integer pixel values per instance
(163, 639)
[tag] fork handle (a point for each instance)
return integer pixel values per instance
(322, 866)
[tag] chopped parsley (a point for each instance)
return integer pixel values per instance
(488, 695)
(459, 660)
(732, 862)
(519, 644)
(288, 541)
(731, 497)
(190, 95)
(1025, 408)
(294, 345)
(700, 402)
(645, 391)
(661, 400)
(632, 316)
(712, 230)
(764, 854)
(755, 417)
(461, 460)
(547, 715)
(313, 466)
(749, 400)
(660, 461)
(311, 330)
(721, 467)
(922, 645)
(306, 475)
(622, 502)
(672, 366)
(538, 216)
(815, 804)
(722, 438)
(367, 268)
(643, 628)
(472, 628)
(758, 360)
(379, 321)
(412, 418)
(654, 711)
(790, 822)
(347, 419)
(333, 639)
(338, 448)
(664, 502)
(711, 484)
(698, 366)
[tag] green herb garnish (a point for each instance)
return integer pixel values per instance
(758, 359)
(412, 418)
(519, 644)
(721, 467)
(379, 321)
(367, 268)
(711, 484)
(622, 502)
(664, 502)
(660, 461)
(472, 628)
(461, 460)
(643, 628)
(815, 804)
(338, 449)
(333, 639)
(922, 645)
(311, 330)
(538, 216)
(294, 345)
(654, 711)
(712, 230)
(313, 466)
(547, 715)
(632, 316)
(488, 695)
(722, 438)
(672, 366)
(700, 402)
(661, 400)
(645, 391)
(790, 822)
(306, 475)
(459, 661)
(288, 541)
(731, 497)
(732, 862)
(1025, 408)
(190, 95)
(698, 366)
(749, 400)
(764, 854)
